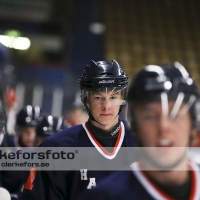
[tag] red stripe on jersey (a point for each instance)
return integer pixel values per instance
(193, 188)
(29, 183)
(194, 184)
(157, 188)
(100, 146)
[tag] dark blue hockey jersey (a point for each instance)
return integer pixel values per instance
(134, 185)
(62, 185)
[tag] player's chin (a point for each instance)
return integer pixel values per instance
(106, 118)
(29, 143)
(167, 163)
(105, 121)
(165, 166)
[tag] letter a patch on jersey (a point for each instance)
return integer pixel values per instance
(29, 183)
(92, 183)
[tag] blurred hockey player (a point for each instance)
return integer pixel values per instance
(7, 88)
(47, 126)
(164, 108)
(26, 123)
(104, 87)
(77, 113)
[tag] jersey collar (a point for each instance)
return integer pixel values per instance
(156, 193)
(100, 148)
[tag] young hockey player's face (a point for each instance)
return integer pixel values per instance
(27, 135)
(104, 107)
(168, 133)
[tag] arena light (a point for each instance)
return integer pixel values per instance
(97, 28)
(5, 40)
(20, 43)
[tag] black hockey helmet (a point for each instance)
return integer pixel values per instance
(28, 116)
(103, 76)
(159, 82)
(48, 125)
(59, 124)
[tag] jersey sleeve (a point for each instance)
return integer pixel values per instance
(43, 185)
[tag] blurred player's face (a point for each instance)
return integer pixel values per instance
(104, 107)
(168, 135)
(27, 135)
(77, 116)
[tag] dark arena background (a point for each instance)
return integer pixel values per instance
(65, 35)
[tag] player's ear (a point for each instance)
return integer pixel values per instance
(193, 135)
(194, 131)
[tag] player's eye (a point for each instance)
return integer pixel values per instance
(148, 116)
(97, 98)
(113, 97)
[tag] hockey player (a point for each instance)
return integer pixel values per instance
(164, 106)
(103, 92)
(77, 115)
(7, 88)
(47, 126)
(26, 123)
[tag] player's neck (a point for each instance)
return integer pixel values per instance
(177, 176)
(106, 127)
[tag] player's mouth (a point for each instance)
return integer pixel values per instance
(30, 143)
(164, 143)
(105, 115)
